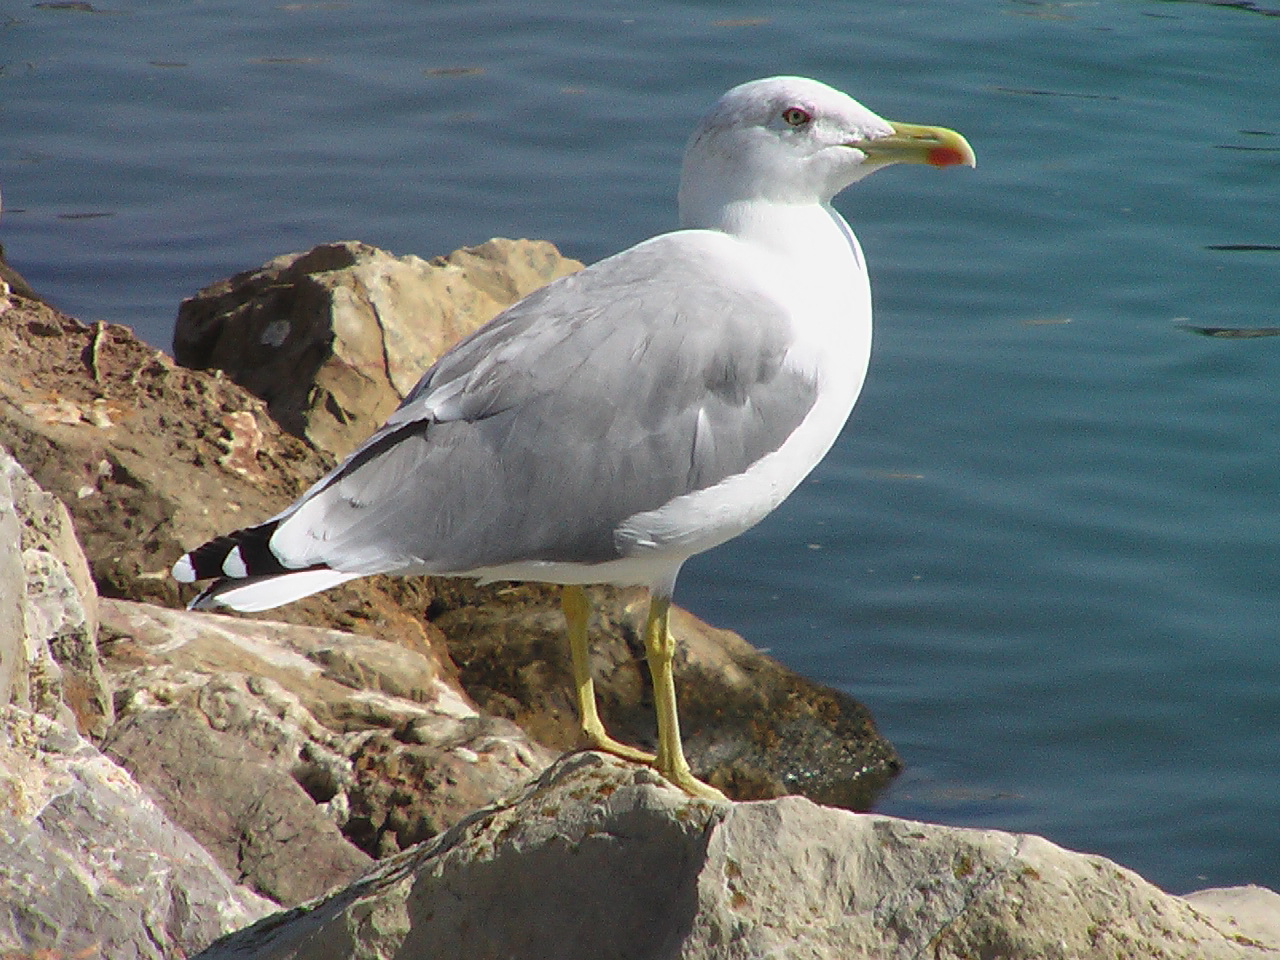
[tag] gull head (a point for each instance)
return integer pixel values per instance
(791, 140)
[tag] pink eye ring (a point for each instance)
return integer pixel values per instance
(796, 117)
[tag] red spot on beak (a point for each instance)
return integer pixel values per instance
(944, 157)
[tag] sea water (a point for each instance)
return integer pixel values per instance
(1044, 552)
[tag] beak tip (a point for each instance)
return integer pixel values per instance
(949, 156)
(935, 146)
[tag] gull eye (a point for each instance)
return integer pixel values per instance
(795, 117)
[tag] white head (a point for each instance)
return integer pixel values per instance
(790, 140)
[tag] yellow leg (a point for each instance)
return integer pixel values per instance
(577, 612)
(660, 647)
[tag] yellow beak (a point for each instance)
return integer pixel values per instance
(912, 143)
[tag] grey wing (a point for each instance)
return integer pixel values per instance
(605, 394)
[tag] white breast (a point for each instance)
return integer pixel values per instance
(815, 267)
(807, 259)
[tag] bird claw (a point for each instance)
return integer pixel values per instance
(680, 776)
(606, 744)
(686, 781)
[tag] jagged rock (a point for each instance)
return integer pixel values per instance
(89, 866)
(153, 458)
(309, 742)
(333, 339)
(48, 527)
(602, 859)
(49, 659)
(86, 861)
(58, 619)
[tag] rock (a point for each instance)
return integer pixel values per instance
(598, 860)
(57, 618)
(87, 862)
(13, 601)
(149, 458)
(152, 459)
(89, 866)
(751, 727)
(333, 339)
(896, 888)
(311, 743)
(602, 859)
(56, 642)
(14, 282)
(47, 526)
(249, 813)
(1245, 914)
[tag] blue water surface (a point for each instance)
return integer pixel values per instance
(1044, 551)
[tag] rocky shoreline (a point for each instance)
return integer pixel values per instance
(382, 759)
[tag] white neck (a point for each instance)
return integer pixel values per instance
(813, 232)
(806, 257)
(816, 244)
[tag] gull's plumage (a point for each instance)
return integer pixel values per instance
(621, 419)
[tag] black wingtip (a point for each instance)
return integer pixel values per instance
(254, 545)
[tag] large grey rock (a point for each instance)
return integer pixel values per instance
(601, 859)
(310, 745)
(334, 338)
(789, 873)
(89, 866)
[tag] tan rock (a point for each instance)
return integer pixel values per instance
(13, 599)
(340, 678)
(333, 339)
(248, 811)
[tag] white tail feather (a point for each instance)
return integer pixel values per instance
(255, 594)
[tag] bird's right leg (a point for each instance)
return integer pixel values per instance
(577, 614)
(660, 646)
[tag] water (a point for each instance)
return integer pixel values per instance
(1044, 553)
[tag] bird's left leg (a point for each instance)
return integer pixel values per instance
(577, 614)
(660, 648)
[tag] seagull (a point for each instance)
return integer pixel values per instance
(619, 420)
